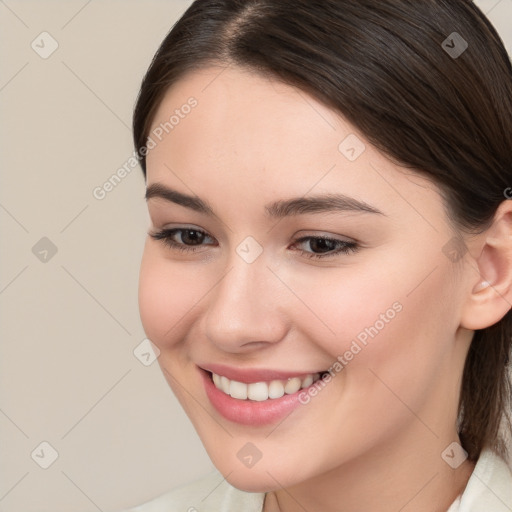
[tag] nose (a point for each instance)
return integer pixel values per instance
(246, 311)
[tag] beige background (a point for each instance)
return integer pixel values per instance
(70, 324)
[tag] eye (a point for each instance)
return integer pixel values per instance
(191, 240)
(183, 239)
(324, 247)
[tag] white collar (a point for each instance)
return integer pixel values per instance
(489, 488)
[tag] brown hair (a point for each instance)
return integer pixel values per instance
(386, 66)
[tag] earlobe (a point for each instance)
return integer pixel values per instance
(491, 295)
(482, 285)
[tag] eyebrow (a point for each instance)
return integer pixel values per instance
(278, 209)
(173, 196)
(319, 204)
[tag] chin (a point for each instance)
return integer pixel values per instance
(249, 480)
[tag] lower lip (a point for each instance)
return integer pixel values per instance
(249, 412)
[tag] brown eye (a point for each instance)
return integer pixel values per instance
(324, 247)
(183, 239)
(192, 237)
(321, 245)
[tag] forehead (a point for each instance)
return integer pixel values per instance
(256, 135)
(238, 108)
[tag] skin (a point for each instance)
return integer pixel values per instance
(373, 438)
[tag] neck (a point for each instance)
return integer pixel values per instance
(404, 476)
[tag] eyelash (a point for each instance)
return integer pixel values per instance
(166, 237)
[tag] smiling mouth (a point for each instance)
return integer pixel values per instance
(261, 391)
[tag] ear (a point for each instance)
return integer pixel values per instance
(490, 292)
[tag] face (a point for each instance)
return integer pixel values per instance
(284, 248)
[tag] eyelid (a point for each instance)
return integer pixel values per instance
(177, 225)
(325, 235)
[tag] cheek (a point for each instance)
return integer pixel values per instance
(167, 295)
(345, 305)
(390, 315)
(409, 356)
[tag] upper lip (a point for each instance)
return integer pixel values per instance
(251, 375)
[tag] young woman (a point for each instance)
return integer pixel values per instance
(328, 270)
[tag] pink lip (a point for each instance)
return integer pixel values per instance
(248, 412)
(250, 375)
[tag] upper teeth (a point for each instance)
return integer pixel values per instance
(261, 391)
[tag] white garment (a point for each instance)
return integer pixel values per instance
(489, 489)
